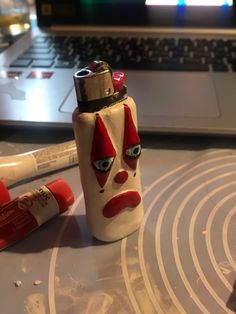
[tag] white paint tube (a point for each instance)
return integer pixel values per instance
(14, 168)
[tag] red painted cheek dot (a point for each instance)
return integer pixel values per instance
(121, 177)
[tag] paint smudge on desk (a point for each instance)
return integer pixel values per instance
(35, 304)
(74, 296)
(26, 264)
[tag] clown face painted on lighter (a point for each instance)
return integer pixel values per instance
(108, 150)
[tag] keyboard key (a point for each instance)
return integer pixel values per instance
(187, 42)
(21, 63)
(38, 50)
(42, 64)
(192, 61)
(41, 39)
(170, 60)
(161, 66)
(234, 67)
(220, 67)
(66, 57)
(182, 67)
(37, 56)
(44, 45)
(64, 64)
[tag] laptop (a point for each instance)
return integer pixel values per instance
(179, 58)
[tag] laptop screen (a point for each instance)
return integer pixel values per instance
(144, 13)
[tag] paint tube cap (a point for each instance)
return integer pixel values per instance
(62, 193)
(4, 194)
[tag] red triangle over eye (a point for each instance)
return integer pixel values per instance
(131, 140)
(103, 152)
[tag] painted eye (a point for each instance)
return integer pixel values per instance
(134, 151)
(103, 164)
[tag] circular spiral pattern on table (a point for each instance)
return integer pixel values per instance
(189, 264)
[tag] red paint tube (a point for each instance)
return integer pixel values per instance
(29, 211)
(4, 194)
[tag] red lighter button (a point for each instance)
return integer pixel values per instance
(118, 80)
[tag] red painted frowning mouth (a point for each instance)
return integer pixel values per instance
(121, 201)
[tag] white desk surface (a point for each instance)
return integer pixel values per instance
(182, 259)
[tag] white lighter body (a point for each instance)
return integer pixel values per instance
(108, 152)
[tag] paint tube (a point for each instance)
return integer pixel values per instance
(27, 212)
(15, 168)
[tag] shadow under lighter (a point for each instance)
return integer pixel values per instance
(108, 145)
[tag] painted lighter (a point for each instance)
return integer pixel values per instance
(108, 146)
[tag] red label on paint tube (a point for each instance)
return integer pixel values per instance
(15, 223)
(27, 212)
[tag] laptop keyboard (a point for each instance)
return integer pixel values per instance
(149, 53)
